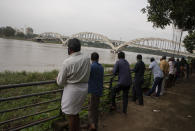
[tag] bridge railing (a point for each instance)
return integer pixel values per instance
(38, 110)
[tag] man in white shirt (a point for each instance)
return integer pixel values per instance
(74, 76)
(158, 77)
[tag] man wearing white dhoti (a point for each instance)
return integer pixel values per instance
(74, 76)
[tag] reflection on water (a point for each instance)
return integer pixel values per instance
(16, 55)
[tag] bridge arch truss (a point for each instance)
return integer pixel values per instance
(163, 45)
(51, 35)
(160, 44)
(92, 37)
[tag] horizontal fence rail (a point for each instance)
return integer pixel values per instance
(30, 95)
(34, 123)
(19, 118)
(31, 105)
(3, 124)
(27, 84)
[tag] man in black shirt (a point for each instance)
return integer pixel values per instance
(177, 67)
(138, 80)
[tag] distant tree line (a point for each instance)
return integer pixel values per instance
(9, 31)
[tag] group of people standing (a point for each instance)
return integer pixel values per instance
(80, 77)
(166, 74)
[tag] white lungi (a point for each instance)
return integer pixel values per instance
(73, 98)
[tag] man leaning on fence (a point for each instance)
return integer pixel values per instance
(95, 86)
(122, 69)
(158, 77)
(74, 76)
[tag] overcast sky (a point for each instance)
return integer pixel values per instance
(116, 19)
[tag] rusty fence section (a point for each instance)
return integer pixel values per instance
(8, 123)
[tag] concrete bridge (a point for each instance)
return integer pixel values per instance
(159, 44)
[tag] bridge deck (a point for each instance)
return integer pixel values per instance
(175, 112)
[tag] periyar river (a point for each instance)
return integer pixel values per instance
(18, 55)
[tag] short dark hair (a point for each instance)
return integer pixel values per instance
(121, 55)
(152, 59)
(94, 56)
(139, 57)
(164, 57)
(74, 45)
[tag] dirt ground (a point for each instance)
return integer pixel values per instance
(175, 111)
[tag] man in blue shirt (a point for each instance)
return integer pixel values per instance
(122, 69)
(95, 86)
(158, 77)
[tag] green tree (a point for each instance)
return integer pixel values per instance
(189, 42)
(180, 13)
(9, 31)
(20, 34)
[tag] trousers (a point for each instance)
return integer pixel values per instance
(93, 111)
(137, 91)
(125, 90)
(157, 82)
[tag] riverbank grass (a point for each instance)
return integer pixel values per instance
(8, 77)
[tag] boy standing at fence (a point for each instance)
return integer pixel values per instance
(95, 86)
